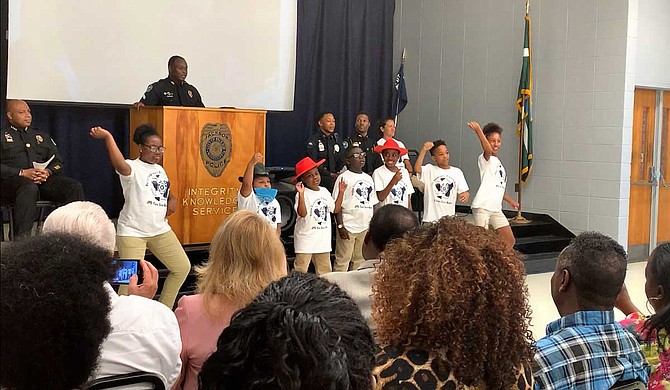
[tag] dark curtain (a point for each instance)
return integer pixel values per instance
(344, 60)
(344, 64)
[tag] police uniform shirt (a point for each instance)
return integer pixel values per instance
(330, 147)
(22, 147)
(372, 159)
(166, 92)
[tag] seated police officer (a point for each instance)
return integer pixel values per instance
(22, 185)
(172, 90)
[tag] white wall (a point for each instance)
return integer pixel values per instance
(653, 43)
(463, 63)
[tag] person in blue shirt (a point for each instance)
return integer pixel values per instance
(586, 348)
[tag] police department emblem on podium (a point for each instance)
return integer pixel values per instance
(216, 146)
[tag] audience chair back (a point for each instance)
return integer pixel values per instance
(123, 380)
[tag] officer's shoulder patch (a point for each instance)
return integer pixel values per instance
(310, 143)
(345, 144)
(149, 88)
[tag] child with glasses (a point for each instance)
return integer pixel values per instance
(143, 221)
(357, 208)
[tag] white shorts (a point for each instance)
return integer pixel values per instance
(485, 218)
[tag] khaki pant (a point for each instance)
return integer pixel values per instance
(349, 253)
(321, 262)
(168, 250)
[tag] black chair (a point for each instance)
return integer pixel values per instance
(43, 209)
(120, 380)
(633, 384)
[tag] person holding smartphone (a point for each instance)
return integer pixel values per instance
(143, 221)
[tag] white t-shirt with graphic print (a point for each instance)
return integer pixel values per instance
(312, 234)
(441, 192)
(146, 192)
(494, 180)
(358, 200)
(270, 211)
(400, 192)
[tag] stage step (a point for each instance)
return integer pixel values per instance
(541, 244)
(537, 263)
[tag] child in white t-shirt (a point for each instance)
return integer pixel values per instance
(357, 208)
(312, 234)
(392, 183)
(444, 184)
(256, 193)
(388, 130)
(487, 205)
(143, 221)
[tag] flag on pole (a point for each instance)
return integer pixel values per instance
(399, 97)
(524, 103)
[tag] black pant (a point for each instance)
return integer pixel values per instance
(23, 195)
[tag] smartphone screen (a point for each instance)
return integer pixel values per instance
(126, 269)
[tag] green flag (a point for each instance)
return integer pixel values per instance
(524, 104)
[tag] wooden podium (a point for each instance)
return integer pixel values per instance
(206, 151)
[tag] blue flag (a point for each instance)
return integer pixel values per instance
(399, 93)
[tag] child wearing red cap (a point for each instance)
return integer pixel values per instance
(312, 234)
(392, 183)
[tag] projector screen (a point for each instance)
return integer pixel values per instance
(240, 53)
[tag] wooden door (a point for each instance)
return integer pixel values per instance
(664, 179)
(642, 160)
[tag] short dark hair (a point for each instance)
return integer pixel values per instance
(597, 266)
(492, 127)
(54, 311)
(142, 132)
(382, 122)
(174, 59)
(437, 144)
(300, 332)
(322, 114)
(389, 222)
(363, 113)
(659, 266)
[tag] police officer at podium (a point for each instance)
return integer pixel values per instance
(172, 90)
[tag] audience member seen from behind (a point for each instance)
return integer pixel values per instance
(256, 193)
(586, 348)
(53, 313)
(487, 204)
(145, 334)
(357, 208)
(245, 256)
(301, 332)
(652, 332)
(451, 309)
(388, 222)
(143, 221)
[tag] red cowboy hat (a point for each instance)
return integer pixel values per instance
(390, 144)
(305, 165)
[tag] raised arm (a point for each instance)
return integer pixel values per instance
(342, 187)
(302, 208)
(248, 179)
(419, 160)
(486, 146)
(118, 161)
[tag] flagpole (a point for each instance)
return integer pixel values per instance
(520, 218)
(397, 102)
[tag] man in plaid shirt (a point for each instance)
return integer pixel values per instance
(586, 348)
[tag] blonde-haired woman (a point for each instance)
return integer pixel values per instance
(245, 256)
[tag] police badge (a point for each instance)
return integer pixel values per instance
(190, 94)
(39, 138)
(216, 146)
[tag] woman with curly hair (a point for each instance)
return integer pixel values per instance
(451, 309)
(245, 256)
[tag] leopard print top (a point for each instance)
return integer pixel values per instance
(397, 368)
